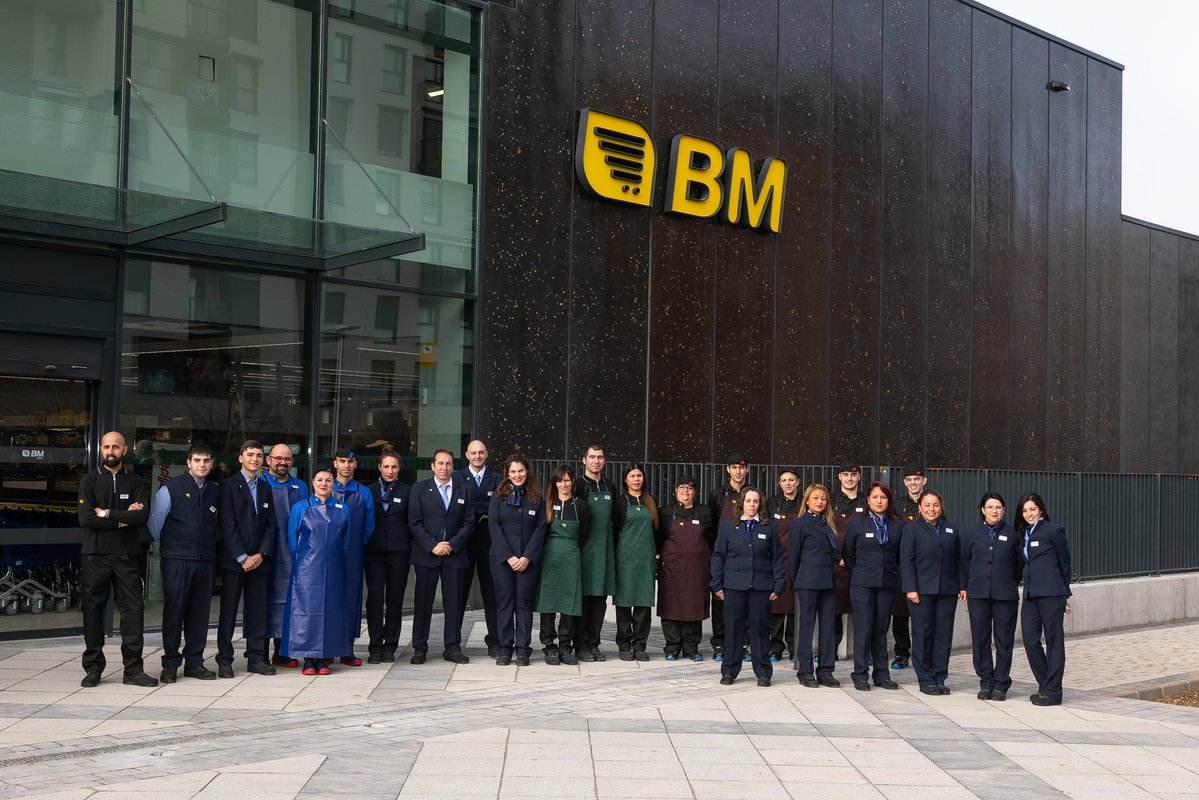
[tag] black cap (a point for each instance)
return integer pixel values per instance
(793, 470)
(849, 466)
(686, 480)
(345, 452)
(737, 458)
(912, 469)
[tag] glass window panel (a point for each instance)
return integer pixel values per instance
(343, 47)
(57, 116)
(395, 70)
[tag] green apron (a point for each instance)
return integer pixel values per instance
(635, 556)
(598, 557)
(560, 590)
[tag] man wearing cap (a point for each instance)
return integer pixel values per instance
(722, 504)
(360, 508)
(286, 491)
(441, 520)
(597, 556)
(848, 503)
(482, 483)
(915, 477)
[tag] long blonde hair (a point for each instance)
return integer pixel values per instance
(828, 502)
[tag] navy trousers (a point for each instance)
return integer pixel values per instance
(254, 585)
(1045, 616)
(451, 604)
(479, 551)
(810, 604)
(750, 606)
(992, 620)
(386, 581)
(932, 637)
(186, 602)
(514, 593)
(871, 614)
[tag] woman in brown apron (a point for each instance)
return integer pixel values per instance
(685, 548)
(781, 510)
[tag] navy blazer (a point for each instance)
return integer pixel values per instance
(430, 522)
(990, 570)
(810, 555)
(391, 524)
(1047, 570)
(516, 530)
(244, 532)
(741, 562)
(871, 565)
(929, 564)
(481, 494)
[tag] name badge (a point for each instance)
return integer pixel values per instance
(1034, 544)
(1002, 538)
(266, 505)
(338, 505)
(870, 536)
(761, 536)
(558, 508)
(124, 497)
(694, 522)
(778, 516)
(949, 530)
(461, 501)
(489, 494)
(607, 497)
(212, 509)
(532, 512)
(859, 510)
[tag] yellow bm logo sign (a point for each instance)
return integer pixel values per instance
(615, 160)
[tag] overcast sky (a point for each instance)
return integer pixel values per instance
(1157, 41)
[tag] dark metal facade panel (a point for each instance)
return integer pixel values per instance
(1188, 354)
(1163, 352)
(1121, 526)
(1134, 348)
(1178, 544)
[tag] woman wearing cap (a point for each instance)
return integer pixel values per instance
(813, 555)
(516, 519)
(782, 509)
(634, 519)
(872, 558)
(747, 574)
(685, 550)
(928, 562)
(1047, 593)
(991, 577)
(560, 590)
(314, 621)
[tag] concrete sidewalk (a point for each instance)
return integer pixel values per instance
(617, 729)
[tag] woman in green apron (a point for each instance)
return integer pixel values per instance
(634, 520)
(560, 592)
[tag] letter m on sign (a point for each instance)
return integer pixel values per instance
(755, 201)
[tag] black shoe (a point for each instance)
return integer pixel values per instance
(829, 681)
(503, 659)
(567, 657)
(456, 656)
(522, 661)
(493, 650)
(388, 657)
(260, 668)
(626, 655)
(375, 658)
(641, 655)
(585, 654)
(224, 670)
(809, 680)
(1044, 700)
(169, 674)
(861, 686)
(727, 680)
(887, 684)
(599, 655)
(985, 694)
(998, 695)
(551, 658)
(201, 673)
(140, 679)
(91, 680)
(418, 657)
(763, 681)
(943, 689)
(933, 690)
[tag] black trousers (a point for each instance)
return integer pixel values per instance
(992, 620)
(782, 634)
(386, 582)
(451, 605)
(718, 627)
(632, 627)
(871, 613)
(558, 631)
(187, 597)
(121, 573)
(254, 585)
(682, 638)
(479, 552)
(811, 604)
(932, 637)
(747, 609)
(902, 630)
(591, 624)
(514, 593)
(1045, 616)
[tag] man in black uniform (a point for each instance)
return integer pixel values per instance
(482, 482)
(112, 506)
(721, 503)
(183, 521)
(848, 503)
(908, 507)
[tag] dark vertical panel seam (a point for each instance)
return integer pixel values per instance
(969, 349)
(828, 235)
(1047, 376)
(649, 244)
(772, 371)
(570, 273)
(882, 211)
(1086, 260)
(928, 223)
(1011, 223)
(1176, 433)
(712, 233)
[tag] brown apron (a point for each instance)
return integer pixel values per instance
(842, 520)
(683, 572)
(785, 602)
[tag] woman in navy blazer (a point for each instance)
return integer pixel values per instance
(872, 559)
(1047, 573)
(812, 557)
(516, 518)
(991, 579)
(748, 575)
(929, 563)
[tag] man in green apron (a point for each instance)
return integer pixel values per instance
(598, 554)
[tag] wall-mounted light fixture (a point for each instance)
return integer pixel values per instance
(1058, 86)
(436, 91)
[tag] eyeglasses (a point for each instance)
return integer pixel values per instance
(992, 508)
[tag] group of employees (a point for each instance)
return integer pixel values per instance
(775, 573)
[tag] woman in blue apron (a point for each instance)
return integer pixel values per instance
(314, 624)
(634, 520)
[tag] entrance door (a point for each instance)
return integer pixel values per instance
(46, 446)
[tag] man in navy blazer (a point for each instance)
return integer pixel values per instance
(441, 520)
(248, 536)
(482, 482)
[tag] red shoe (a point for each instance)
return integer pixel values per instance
(310, 671)
(324, 671)
(285, 662)
(351, 661)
